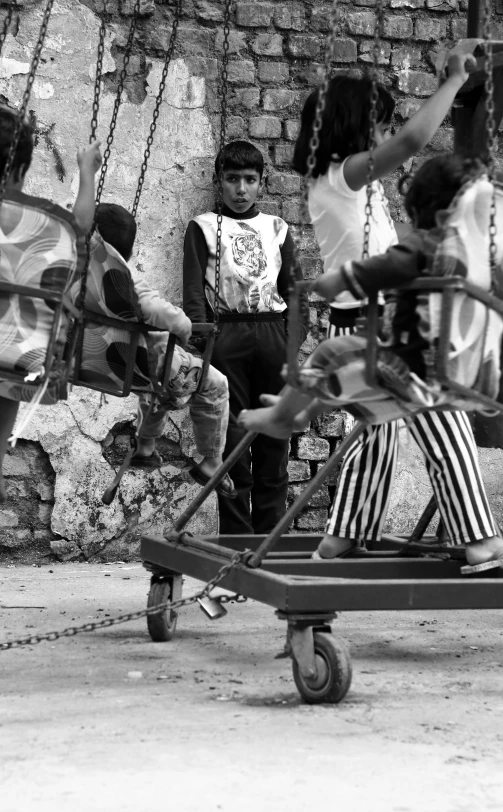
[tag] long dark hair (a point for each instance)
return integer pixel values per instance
(24, 149)
(345, 128)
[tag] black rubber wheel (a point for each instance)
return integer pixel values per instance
(333, 664)
(162, 625)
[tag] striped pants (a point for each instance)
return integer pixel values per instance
(446, 439)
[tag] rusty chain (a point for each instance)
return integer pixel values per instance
(6, 25)
(118, 99)
(490, 132)
(157, 107)
(222, 92)
(374, 98)
(71, 631)
(26, 97)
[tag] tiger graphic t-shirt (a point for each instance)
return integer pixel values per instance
(250, 262)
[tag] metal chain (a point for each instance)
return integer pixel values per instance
(490, 133)
(222, 92)
(374, 98)
(6, 25)
(26, 97)
(71, 631)
(118, 99)
(157, 107)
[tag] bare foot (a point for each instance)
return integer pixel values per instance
(480, 552)
(263, 421)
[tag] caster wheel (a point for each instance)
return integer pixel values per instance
(333, 665)
(162, 626)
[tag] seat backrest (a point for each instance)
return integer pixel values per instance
(475, 331)
(111, 355)
(41, 248)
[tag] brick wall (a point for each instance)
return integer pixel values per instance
(276, 59)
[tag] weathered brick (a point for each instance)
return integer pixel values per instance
(406, 57)
(303, 46)
(248, 97)
(298, 471)
(442, 5)
(254, 15)
(268, 45)
(147, 7)
(292, 18)
(8, 518)
(407, 107)
(330, 425)
(242, 72)
(398, 27)
(45, 513)
(236, 127)
(273, 71)
(237, 41)
(361, 22)
(320, 18)
(311, 74)
(270, 207)
(281, 184)
(416, 82)
(13, 540)
(283, 154)
(292, 211)
(15, 466)
(407, 4)
(208, 12)
(320, 499)
(428, 29)
(367, 52)
(367, 3)
(278, 99)
(200, 66)
(344, 50)
(443, 140)
(458, 29)
(265, 127)
(312, 520)
(313, 448)
(312, 267)
(195, 41)
(292, 128)
(45, 491)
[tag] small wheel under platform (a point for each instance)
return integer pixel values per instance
(333, 671)
(162, 625)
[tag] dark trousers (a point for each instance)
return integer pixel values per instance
(251, 351)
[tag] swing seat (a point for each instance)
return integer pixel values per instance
(42, 251)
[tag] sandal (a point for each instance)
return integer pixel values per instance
(154, 460)
(224, 488)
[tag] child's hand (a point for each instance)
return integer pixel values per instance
(89, 158)
(329, 285)
(184, 335)
(460, 66)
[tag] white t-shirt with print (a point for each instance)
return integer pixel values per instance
(338, 216)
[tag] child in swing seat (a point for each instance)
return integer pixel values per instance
(334, 373)
(89, 161)
(208, 406)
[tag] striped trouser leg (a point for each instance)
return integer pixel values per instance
(446, 439)
(359, 508)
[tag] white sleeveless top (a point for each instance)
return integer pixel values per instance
(338, 216)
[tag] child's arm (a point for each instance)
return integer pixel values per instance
(415, 134)
(157, 311)
(401, 263)
(89, 161)
(195, 260)
(290, 267)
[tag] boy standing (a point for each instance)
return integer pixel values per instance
(257, 259)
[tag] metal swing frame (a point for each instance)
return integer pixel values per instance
(278, 570)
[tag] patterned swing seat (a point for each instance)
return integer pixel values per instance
(42, 251)
(459, 302)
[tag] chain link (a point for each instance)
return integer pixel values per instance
(71, 631)
(157, 107)
(374, 99)
(117, 102)
(6, 25)
(26, 97)
(222, 92)
(490, 133)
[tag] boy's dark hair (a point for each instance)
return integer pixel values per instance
(24, 149)
(117, 227)
(345, 128)
(434, 185)
(239, 155)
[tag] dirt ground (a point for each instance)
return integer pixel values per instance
(211, 721)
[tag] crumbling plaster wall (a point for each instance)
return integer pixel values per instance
(68, 455)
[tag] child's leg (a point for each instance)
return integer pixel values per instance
(446, 439)
(150, 423)
(8, 411)
(209, 412)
